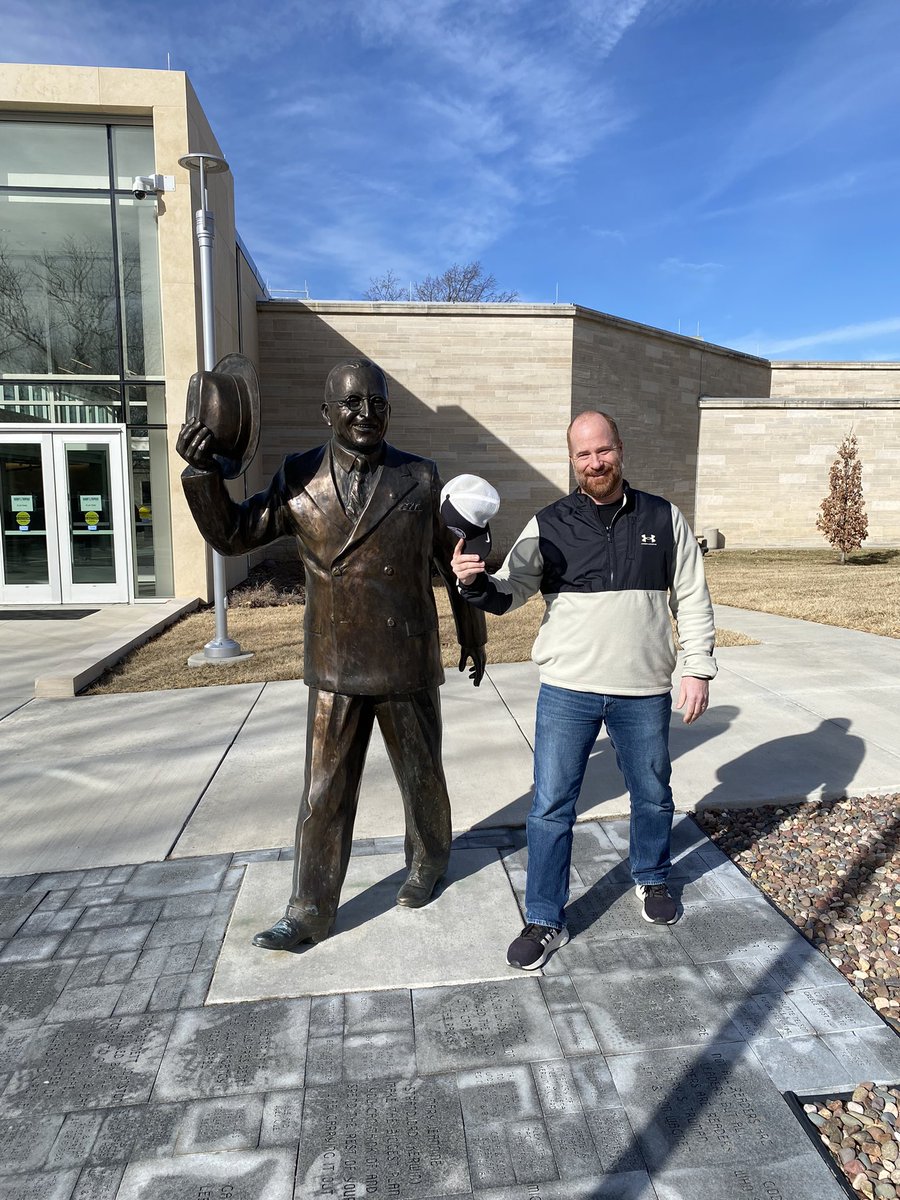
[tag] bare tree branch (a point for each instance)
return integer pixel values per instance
(459, 284)
(385, 287)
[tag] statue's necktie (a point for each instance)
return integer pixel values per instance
(359, 489)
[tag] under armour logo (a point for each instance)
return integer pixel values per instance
(648, 539)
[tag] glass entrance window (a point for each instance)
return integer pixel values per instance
(57, 286)
(90, 507)
(24, 515)
(45, 154)
(81, 345)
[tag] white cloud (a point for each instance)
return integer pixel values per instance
(841, 335)
(680, 265)
(615, 235)
(844, 74)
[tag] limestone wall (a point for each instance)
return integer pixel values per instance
(484, 389)
(836, 380)
(764, 466)
(490, 389)
(650, 381)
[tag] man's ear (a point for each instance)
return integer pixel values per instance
(326, 414)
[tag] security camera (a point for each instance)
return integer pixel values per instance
(143, 185)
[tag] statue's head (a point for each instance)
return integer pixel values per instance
(356, 405)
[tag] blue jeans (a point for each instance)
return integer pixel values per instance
(567, 726)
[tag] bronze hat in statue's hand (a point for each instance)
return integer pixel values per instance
(226, 401)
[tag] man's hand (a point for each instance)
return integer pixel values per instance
(478, 657)
(195, 444)
(693, 697)
(465, 566)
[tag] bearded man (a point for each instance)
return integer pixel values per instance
(611, 563)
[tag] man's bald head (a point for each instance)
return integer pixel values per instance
(589, 418)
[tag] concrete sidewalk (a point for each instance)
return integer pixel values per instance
(149, 1052)
(809, 713)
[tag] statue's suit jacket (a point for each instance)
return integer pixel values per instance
(370, 623)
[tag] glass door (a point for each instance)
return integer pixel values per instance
(92, 517)
(29, 551)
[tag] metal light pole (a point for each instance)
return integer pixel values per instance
(222, 647)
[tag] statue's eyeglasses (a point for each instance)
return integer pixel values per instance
(354, 404)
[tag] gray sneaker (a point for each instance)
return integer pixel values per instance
(658, 906)
(534, 945)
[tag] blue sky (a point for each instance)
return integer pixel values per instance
(727, 166)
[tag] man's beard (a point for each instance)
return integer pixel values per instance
(600, 487)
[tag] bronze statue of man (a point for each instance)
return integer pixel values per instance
(367, 523)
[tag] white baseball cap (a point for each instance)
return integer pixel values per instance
(468, 503)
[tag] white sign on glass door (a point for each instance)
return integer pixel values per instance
(21, 503)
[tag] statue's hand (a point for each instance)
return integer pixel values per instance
(195, 444)
(478, 657)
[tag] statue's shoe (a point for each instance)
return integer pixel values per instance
(419, 886)
(292, 931)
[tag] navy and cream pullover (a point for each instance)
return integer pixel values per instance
(608, 594)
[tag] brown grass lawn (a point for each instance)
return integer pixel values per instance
(270, 623)
(864, 593)
(811, 584)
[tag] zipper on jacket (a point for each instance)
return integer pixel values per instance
(612, 544)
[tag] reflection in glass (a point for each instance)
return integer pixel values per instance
(139, 277)
(24, 553)
(63, 403)
(146, 403)
(44, 154)
(90, 513)
(57, 289)
(132, 153)
(152, 521)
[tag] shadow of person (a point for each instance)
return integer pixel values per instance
(818, 765)
(603, 780)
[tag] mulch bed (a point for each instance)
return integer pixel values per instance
(833, 868)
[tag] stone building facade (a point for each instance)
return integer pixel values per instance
(738, 443)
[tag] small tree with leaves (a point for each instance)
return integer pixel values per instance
(842, 514)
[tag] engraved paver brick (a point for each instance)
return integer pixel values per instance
(74, 1141)
(30, 949)
(229, 1123)
(25, 1143)
(264, 1175)
(81, 1003)
(99, 1183)
(138, 1131)
(459, 1027)
(87, 1064)
(43, 1185)
(670, 1006)
(153, 881)
(233, 1049)
(282, 1119)
(14, 910)
(29, 990)
(391, 1138)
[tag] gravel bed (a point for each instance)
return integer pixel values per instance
(862, 1136)
(833, 868)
